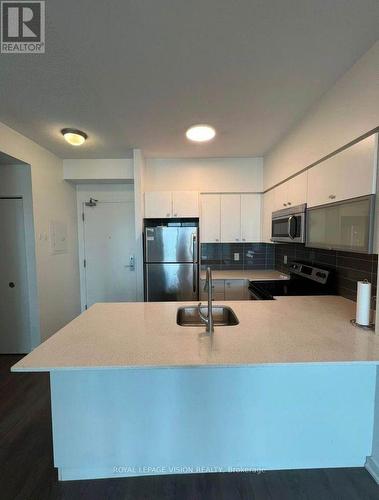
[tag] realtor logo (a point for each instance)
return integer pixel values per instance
(22, 27)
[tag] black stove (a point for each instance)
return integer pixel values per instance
(305, 279)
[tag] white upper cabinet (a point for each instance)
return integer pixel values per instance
(268, 208)
(279, 197)
(158, 204)
(297, 190)
(346, 175)
(291, 193)
(251, 217)
(230, 218)
(210, 218)
(171, 204)
(185, 204)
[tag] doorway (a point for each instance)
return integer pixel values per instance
(109, 249)
(14, 303)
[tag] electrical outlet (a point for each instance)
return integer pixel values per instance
(285, 259)
(236, 256)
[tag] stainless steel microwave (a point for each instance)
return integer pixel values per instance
(288, 225)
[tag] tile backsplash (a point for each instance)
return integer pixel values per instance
(251, 255)
(348, 267)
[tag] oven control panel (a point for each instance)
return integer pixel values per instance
(311, 272)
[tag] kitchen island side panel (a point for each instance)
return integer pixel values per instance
(127, 422)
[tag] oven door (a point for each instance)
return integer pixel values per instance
(288, 228)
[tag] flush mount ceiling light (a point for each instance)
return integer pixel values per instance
(73, 136)
(200, 133)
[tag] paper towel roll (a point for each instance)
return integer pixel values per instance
(363, 303)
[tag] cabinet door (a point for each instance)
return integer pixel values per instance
(185, 204)
(230, 218)
(280, 197)
(297, 190)
(268, 208)
(235, 289)
(217, 290)
(158, 204)
(346, 175)
(251, 217)
(210, 218)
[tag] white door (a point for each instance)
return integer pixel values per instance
(230, 218)
(109, 252)
(251, 217)
(158, 204)
(14, 298)
(210, 218)
(185, 204)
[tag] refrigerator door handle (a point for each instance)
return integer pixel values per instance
(194, 253)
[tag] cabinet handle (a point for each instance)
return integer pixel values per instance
(243, 239)
(167, 215)
(216, 239)
(237, 239)
(175, 215)
(332, 196)
(289, 203)
(284, 204)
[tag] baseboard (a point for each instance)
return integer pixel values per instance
(373, 468)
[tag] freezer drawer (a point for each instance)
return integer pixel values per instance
(170, 244)
(171, 282)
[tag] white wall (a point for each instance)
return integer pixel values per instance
(98, 170)
(139, 187)
(208, 174)
(348, 110)
(53, 199)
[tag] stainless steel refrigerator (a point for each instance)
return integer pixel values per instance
(171, 269)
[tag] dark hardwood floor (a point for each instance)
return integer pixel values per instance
(27, 473)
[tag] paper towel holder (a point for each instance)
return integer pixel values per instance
(371, 326)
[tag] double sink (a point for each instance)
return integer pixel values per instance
(222, 316)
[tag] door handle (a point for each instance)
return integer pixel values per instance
(131, 265)
(290, 220)
(194, 265)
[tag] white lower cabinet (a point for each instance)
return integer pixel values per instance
(235, 289)
(225, 290)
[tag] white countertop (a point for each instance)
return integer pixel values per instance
(287, 330)
(251, 275)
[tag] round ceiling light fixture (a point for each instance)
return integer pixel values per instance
(73, 136)
(200, 133)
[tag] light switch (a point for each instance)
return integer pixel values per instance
(236, 256)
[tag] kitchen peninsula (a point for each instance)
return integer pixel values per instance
(133, 393)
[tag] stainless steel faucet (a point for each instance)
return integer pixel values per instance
(208, 319)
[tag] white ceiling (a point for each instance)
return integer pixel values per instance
(137, 73)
